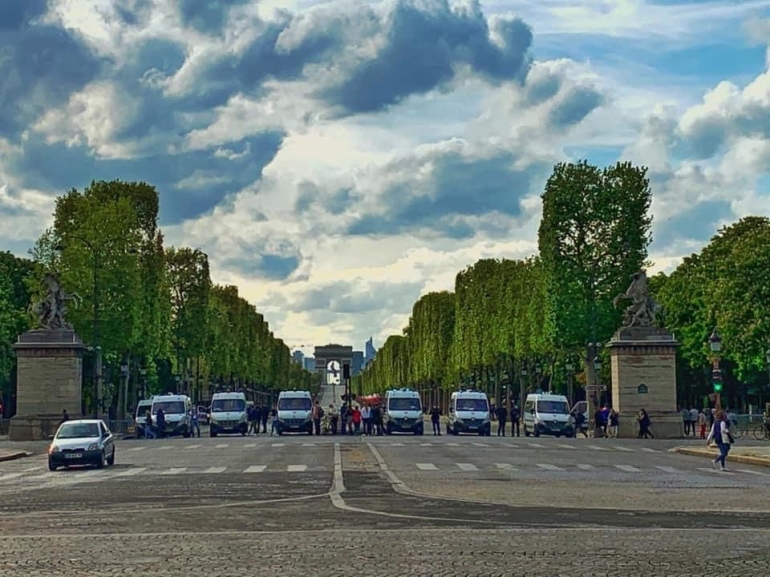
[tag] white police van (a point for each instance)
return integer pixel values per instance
(229, 414)
(176, 409)
(469, 413)
(295, 412)
(547, 414)
(403, 412)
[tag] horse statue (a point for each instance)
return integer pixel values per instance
(643, 310)
(52, 310)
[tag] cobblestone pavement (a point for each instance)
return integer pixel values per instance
(300, 505)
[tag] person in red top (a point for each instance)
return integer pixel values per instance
(357, 419)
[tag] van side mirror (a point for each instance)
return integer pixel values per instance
(451, 409)
(532, 412)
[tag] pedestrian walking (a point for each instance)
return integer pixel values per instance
(264, 415)
(194, 424)
(644, 425)
(720, 434)
(334, 419)
(366, 416)
(685, 421)
(435, 419)
(614, 423)
(318, 414)
(702, 422)
(356, 420)
(274, 421)
(253, 420)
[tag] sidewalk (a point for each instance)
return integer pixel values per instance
(759, 456)
(13, 455)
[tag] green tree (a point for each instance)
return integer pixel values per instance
(593, 235)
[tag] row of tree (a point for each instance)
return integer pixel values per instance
(153, 312)
(514, 326)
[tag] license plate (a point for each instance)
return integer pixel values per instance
(73, 456)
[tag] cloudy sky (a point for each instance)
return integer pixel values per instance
(336, 160)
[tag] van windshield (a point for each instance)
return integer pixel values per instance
(404, 404)
(553, 407)
(169, 407)
(228, 406)
(294, 404)
(142, 409)
(472, 405)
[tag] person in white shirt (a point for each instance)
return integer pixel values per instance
(693, 420)
(720, 434)
(366, 417)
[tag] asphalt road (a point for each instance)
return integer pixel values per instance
(401, 505)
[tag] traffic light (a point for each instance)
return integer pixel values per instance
(346, 371)
(716, 376)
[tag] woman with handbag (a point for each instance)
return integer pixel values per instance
(720, 434)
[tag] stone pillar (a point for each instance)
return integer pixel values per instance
(50, 379)
(644, 377)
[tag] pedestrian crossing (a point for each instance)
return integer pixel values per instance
(566, 468)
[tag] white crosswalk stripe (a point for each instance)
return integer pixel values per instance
(130, 472)
(667, 469)
(426, 466)
(224, 446)
(626, 449)
(479, 444)
(596, 448)
(249, 445)
(707, 470)
(193, 447)
(166, 448)
(10, 476)
(505, 467)
(467, 467)
(256, 469)
(215, 470)
(175, 471)
(397, 444)
(750, 472)
(296, 468)
(628, 468)
(585, 467)
(453, 444)
(426, 444)
(137, 448)
(278, 445)
(563, 446)
(648, 450)
(548, 467)
(308, 444)
(536, 445)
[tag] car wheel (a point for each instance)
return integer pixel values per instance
(537, 432)
(111, 458)
(212, 434)
(526, 432)
(100, 464)
(51, 466)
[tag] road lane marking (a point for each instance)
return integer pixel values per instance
(668, 469)
(563, 446)
(648, 450)
(166, 448)
(585, 467)
(479, 444)
(707, 470)
(42, 477)
(453, 444)
(277, 445)
(426, 466)
(256, 469)
(130, 472)
(628, 468)
(193, 447)
(595, 448)
(308, 444)
(549, 467)
(296, 468)
(397, 444)
(626, 449)
(214, 470)
(222, 446)
(137, 449)
(175, 471)
(505, 467)
(536, 445)
(750, 472)
(426, 444)
(249, 445)
(467, 467)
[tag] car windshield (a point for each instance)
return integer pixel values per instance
(553, 407)
(228, 406)
(295, 404)
(404, 404)
(472, 405)
(78, 431)
(169, 407)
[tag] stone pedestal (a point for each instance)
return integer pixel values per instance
(644, 377)
(50, 379)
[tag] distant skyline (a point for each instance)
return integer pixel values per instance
(336, 160)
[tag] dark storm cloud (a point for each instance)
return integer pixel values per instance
(40, 65)
(58, 168)
(461, 187)
(426, 40)
(575, 106)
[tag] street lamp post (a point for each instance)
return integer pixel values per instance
(524, 374)
(570, 378)
(715, 342)
(592, 385)
(597, 369)
(767, 360)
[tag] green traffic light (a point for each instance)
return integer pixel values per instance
(717, 387)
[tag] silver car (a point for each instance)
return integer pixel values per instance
(82, 442)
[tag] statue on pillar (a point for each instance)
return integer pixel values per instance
(52, 310)
(643, 310)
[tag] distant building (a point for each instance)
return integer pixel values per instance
(309, 364)
(298, 357)
(356, 363)
(369, 351)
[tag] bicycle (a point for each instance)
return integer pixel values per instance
(762, 432)
(736, 431)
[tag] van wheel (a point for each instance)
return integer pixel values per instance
(537, 432)
(526, 432)
(212, 434)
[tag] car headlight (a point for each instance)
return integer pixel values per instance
(53, 449)
(93, 447)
